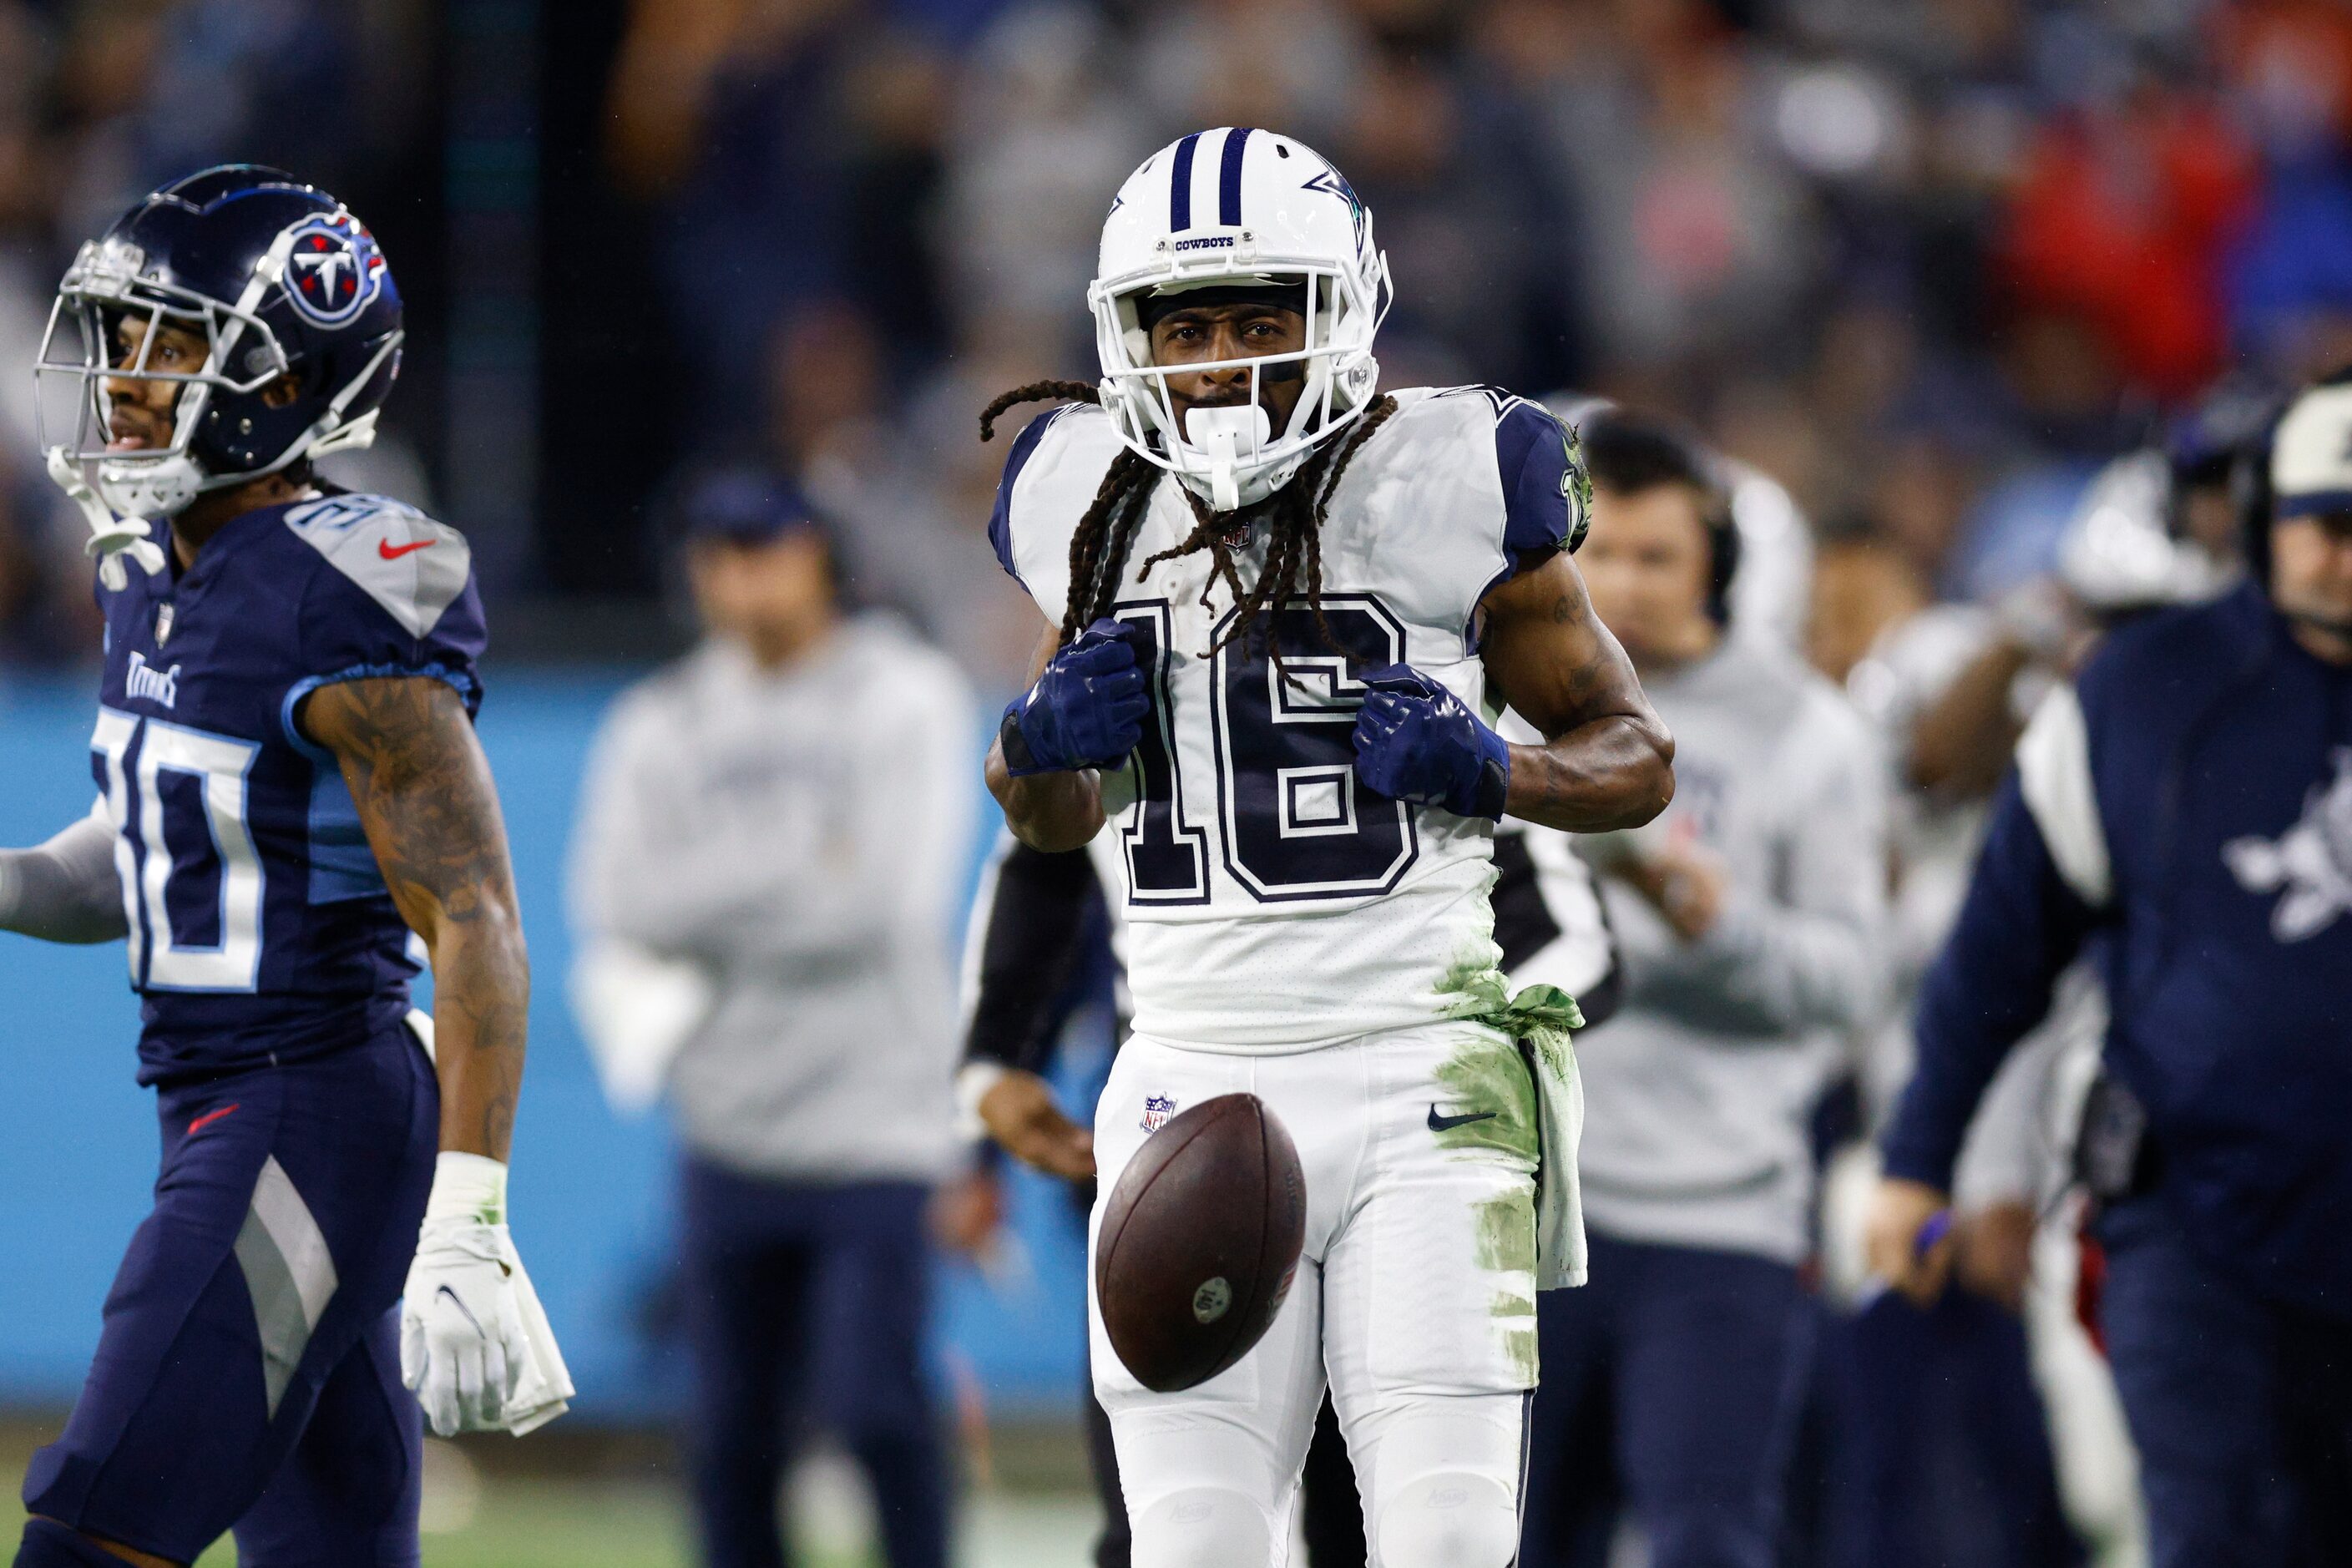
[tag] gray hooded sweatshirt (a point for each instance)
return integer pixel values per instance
(1698, 1093)
(799, 837)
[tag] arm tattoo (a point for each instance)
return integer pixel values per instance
(424, 795)
(1606, 761)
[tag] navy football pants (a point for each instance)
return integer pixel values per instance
(2240, 1408)
(1674, 1378)
(248, 1372)
(808, 1304)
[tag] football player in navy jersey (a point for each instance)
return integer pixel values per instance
(288, 786)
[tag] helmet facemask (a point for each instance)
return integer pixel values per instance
(1232, 458)
(80, 355)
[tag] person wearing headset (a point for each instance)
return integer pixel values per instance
(1749, 920)
(2184, 810)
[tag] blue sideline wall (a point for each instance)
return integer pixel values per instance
(593, 1200)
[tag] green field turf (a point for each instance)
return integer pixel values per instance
(536, 1524)
(550, 1523)
(559, 1524)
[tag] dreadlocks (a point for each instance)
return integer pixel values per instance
(1294, 517)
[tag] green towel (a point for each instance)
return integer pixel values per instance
(1540, 1018)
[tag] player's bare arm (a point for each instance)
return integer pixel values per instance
(424, 795)
(1607, 761)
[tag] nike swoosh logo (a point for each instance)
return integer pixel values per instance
(1438, 1123)
(461, 1306)
(391, 552)
(208, 1117)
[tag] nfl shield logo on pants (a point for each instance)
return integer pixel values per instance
(1156, 1110)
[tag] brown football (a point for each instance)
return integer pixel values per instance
(1200, 1241)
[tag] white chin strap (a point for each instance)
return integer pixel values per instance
(110, 537)
(151, 487)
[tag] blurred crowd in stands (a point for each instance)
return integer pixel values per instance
(1928, 262)
(101, 100)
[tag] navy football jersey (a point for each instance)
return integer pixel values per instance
(261, 927)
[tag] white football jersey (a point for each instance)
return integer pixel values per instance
(1274, 902)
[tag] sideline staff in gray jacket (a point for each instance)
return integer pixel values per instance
(1748, 920)
(785, 817)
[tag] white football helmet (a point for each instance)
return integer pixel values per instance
(2119, 552)
(1236, 207)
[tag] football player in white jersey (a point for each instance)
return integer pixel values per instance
(1268, 678)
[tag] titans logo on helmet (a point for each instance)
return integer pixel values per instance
(333, 269)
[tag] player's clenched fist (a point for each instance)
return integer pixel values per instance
(1086, 711)
(1415, 740)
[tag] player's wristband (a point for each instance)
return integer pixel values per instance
(1494, 785)
(467, 1189)
(973, 1082)
(1019, 760)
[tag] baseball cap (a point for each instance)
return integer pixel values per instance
(747, 506)
(2311, 454)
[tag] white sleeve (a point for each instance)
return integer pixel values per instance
(940, 761)
(2053, 774)
(613, 867)
(68, 890)
(635, 1005)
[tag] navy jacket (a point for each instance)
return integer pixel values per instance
(2190, 800)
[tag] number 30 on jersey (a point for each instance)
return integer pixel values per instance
(192, 882)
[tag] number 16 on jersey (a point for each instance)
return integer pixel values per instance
(1294, 821)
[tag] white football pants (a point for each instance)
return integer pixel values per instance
(1416, 1294)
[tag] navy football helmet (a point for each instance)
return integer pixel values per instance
(296, 308)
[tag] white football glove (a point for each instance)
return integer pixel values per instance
(474, 1345)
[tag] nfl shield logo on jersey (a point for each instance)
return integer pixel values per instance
(1156, 1110)
(162, 624)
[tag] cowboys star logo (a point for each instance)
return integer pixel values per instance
(333, 270)
(2309, 866)
(1332, 183)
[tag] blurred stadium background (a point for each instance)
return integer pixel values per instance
(1928, 262)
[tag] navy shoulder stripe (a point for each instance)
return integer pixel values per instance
(1000, 520)
(1531, 459)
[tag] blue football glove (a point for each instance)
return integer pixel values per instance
(1086, 711)
(1417, 742)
